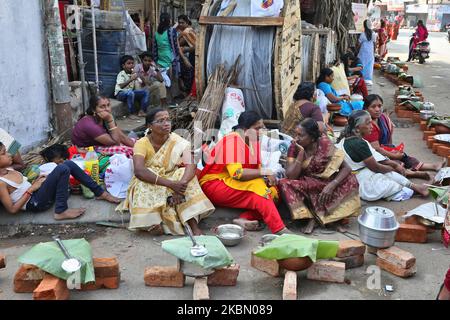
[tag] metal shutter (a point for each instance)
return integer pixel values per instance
(134, 6)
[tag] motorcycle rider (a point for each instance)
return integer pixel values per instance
(420, 35)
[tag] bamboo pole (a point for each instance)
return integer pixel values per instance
(58, 68)
(81, 64)
(94, 40)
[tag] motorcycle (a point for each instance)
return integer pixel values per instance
(421, 51)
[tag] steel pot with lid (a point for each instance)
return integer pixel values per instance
(378, 227)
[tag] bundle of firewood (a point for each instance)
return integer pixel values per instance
(211, 103)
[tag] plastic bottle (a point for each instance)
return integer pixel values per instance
(92, 164)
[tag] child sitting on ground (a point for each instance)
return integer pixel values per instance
(16, 193)
(128, 86)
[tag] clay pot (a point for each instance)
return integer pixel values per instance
(295, 264)
(340, 121)
(334, 107)
(441, 129)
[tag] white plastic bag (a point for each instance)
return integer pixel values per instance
(118, 175)
(266, 8)
(322, 101)
(233, 106)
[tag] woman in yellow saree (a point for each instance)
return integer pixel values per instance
(164, 193)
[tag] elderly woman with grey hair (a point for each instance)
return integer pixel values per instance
(377, 179)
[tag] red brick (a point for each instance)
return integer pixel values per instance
(435, 147)
(27, 278)
(427, 134)
(430, 142)
(270, 267)
(324, 270)
(290, 286)
(96, 285)
(201, 290)
(110, 282)
(225, 276)
(106, 267)
(158, 276)
(423, 125)
(349, 248)
(51, 288)
(2, 262)
(416, 117)
(397, 256)
(443, 151)
(405, 114)
(395, 269)
(352, 261)
(411, 233)
(414, 220)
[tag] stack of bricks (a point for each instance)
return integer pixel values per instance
(397, 261)
(172, 276)
(415, 233)
(107, 274)
(2, 261)
(44, 286)
(270, 267)
(351, 252)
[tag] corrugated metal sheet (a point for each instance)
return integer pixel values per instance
(135, 5)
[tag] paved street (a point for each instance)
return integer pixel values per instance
(136, 251)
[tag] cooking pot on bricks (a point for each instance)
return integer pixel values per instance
(378, 227)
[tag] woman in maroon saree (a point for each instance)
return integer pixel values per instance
(320, 186)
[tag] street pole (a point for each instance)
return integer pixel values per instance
(81, 64)
(58, 68)
(94, 39)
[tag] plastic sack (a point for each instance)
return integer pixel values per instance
(135, 40)
(49, 257)
(294, 246)
(322, 101)
(118, 175)
(398, 148)
(233, 106)
(266, 8)
(217, 257)
(340, 82)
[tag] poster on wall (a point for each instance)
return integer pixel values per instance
(395, 5)
(359, 15)
(436, 16)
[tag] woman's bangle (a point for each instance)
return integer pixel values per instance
(29, 193)
(113, 128)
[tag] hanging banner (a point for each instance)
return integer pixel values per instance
(395, 5)
(360, 11)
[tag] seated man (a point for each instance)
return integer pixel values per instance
(12, 147)
(128, 87)
(152, 78)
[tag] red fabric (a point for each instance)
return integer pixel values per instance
(109, 151)
(420, 35)
(359, 87)
(259, 208)
(374, 135)
(447, 280)
(232, 149)
(194, 89)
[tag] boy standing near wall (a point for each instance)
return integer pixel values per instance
(128, 87)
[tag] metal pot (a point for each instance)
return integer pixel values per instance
(426, 114)
(378, 227)
(229, 234)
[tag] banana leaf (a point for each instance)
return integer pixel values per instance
(294, 246)
(217, 257)
(439, 193)
(48, 256)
